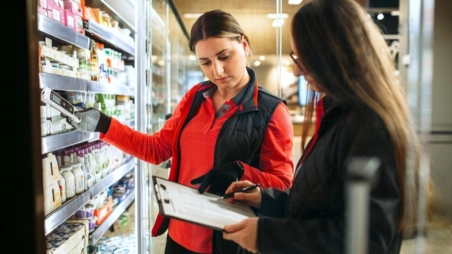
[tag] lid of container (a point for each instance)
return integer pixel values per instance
(65, 168)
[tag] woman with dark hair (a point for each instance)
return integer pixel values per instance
(225, 129)
(361, 111)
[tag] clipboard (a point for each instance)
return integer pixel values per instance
(186, 203)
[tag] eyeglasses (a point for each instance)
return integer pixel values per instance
(295, 60)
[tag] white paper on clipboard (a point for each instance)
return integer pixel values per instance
(185, 203)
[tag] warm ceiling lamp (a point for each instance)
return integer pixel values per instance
(278, 22)
(295, 2)
(277, 15)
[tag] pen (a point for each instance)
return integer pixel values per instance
(231, 194)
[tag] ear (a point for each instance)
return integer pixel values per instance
(245, 44)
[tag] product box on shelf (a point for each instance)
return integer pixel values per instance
(90, 14)
(55, 10)
(103, 212)
(69, 238)
(55, 13)
(42, 10)
(73, 6)
(61, 57)
(52, 122)
(79, 24)
(69, 18)
(42, 4)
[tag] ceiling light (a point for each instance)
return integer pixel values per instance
(395, 13)
(257, 63)
(192, 57)
(277, 15)
(278, 22)
(192, 15)
(380, 16)
(262, 58)
(295, 2)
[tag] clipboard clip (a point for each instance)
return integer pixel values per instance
(162, 192)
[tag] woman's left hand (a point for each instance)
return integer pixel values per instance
(243, 233)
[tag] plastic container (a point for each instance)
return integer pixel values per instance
(79, 178)
(69, 180)
(62, 184)
(86, 212)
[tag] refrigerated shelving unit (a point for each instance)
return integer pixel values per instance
(58, 32)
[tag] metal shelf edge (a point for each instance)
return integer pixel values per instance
(62, 213)
(56, 29)
(97, 87)
(65, 139)
(97, 234)
(107, 36)
(58, 82)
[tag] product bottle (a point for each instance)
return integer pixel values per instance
(62, 184)
(94, 64)
(70, 181)
(88, 176)
(79, 178)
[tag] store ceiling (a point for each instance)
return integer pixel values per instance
(252, 16)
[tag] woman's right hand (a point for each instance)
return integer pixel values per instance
(252, 197)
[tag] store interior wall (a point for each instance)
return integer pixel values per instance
(441, 145)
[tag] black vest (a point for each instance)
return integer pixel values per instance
(240, 138)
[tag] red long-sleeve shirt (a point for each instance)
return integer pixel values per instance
(197, 142)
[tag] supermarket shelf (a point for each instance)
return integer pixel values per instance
(97, 87)
(56, 29)
(58, 82)
(58, 141)
(112, 178)
(62, 213)
(108, 37)
(100, 230)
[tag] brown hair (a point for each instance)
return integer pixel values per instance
(215, 23)
(345, 52)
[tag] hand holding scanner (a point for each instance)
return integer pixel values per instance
(57, 101)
